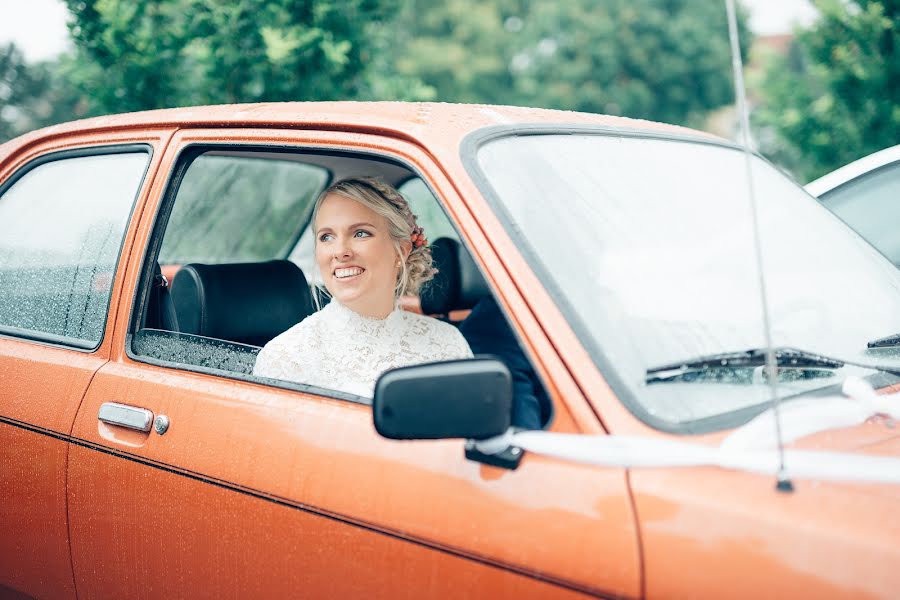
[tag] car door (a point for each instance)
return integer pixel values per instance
(64, 212)
(253, 489)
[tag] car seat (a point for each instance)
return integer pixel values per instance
(458, 283)
(249, 303)
(160, 310)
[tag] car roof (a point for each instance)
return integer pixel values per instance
(423, 122)
(851, 171)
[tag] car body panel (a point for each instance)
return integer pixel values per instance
(823, 539)
(146, 504)
(42, 388)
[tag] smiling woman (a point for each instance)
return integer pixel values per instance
(365, 221)
(369, 251)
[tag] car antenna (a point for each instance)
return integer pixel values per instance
(783, 484)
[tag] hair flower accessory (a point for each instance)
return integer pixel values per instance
(417, 237)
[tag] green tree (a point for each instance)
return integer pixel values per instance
(32, 95)
(134, 55)
(836, 96)
(17, 85)
(666, 60)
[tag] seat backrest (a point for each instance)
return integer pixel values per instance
(160, 311)
(458, 283)
(249, 303)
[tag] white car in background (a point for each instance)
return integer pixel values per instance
(866, 195)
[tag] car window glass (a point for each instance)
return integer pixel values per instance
(656, 271)
(427, 209)
(171, 346)
(870, 206)
(239, 209)
(61, 228)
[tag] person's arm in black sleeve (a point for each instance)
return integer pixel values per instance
(487, 332)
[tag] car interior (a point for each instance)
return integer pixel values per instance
(214, 304)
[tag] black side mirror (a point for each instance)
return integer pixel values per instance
(469, 399)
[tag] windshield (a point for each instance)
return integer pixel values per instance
(647, 246)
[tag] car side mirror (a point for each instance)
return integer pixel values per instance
(469, 399)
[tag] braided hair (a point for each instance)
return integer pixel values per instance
(386, 201)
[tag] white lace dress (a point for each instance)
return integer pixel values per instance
(339, 349)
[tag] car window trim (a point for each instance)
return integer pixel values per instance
(469, 148)
(234, 375)
(182, 161)
(164, 210)
(54, 340)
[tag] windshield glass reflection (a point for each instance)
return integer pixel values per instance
(647, 245)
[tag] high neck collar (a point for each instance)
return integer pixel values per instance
(349, 313)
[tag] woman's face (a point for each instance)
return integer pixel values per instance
(356, 256)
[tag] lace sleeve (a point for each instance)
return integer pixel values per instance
(277, 361)
(266, 365)
(453, 345)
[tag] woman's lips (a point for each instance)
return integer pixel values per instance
(344, 273)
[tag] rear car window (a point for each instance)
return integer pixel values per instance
(427, 209)
(61, 229)
(869, 205)
(239, 209)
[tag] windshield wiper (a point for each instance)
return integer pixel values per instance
(790, 358)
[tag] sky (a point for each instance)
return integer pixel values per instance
(38, 27)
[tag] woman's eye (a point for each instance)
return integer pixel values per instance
(325, 237)
(362, 233)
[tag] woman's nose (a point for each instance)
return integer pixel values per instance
(342, 250)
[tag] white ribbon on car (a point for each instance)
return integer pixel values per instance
(752, 447)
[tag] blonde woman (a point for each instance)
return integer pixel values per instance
(370, 251)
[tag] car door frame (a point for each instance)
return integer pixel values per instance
(598, 508)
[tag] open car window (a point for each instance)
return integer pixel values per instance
(237, 253)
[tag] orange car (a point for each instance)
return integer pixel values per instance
(145, 258)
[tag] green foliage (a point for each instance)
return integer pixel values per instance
(659, 59)
(664, 60)
(836, 96)
(135, 55)
(32, 95)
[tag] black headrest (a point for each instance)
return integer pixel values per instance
(249, 303)
(458, 283)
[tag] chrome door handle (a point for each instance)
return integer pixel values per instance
(123, 415)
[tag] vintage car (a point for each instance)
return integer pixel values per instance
(145, 258)
(865, 195)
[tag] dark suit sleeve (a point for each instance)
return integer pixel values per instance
(487, 332)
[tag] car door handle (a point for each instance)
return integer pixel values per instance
(123, 415)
